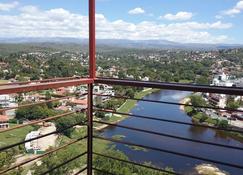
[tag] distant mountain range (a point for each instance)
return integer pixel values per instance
(122, 43)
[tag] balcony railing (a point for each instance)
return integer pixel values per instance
(24, 87)
(166, 119)
(91, 135)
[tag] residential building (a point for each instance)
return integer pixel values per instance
(4, 122)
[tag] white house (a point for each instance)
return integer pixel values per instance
(7, 101)
(32, 146)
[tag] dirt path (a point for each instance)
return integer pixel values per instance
(49, 141)
(22, 158)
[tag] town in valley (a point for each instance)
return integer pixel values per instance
(216, 67)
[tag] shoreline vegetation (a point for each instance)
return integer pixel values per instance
(202, 118)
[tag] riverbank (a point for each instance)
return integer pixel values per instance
(206, 169)
(184, 101)
(130, 104)
(203, 119)
(126, 107)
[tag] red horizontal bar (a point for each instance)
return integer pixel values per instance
(39, 103)
(169, 103)
(38, 121)
(167, 120)
(169, 135)
(169, 152)
(43, 86)
(133, 163)
(39, 81)
(172, 86)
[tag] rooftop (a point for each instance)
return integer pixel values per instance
(4, 118)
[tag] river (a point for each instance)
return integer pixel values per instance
(159, 159)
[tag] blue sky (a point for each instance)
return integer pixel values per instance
(190, 21)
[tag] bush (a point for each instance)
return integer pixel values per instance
(197, 100)
(130, 93)
(203, 118)
(14, 121)
(100, 114)
(223, 124)
(65, 122)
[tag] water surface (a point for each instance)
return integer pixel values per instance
(172, 112)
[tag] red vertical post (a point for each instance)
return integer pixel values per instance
(90, 130)
(92, 42)
(92, 71)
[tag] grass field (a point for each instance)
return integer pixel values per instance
(3, 81)
(114, 118)
(99, 145)
(185, 81)
(79, 132)
(14, 136)
(129, 104)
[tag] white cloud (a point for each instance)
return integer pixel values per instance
(202, 26)
(29, 9)
(219, 17)
(235, 10)
(34, 22)
(182, 16)
(136, 11)
(8, 6)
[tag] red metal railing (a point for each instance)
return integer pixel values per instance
(20, 87)
(168, 86)
(43, 85)
(56, 84)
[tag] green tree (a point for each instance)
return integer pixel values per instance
(66, 122)
(100, 114)
(203, 118)
(118, 167)
(34, 112)
(197, 100)
(223, 124)
(121, 75)
(48, 97)
(231, 103)
(130, 93)
(202, 80)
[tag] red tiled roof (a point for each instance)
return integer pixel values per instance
(64, 108)
(79, 102)
(4, 118)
